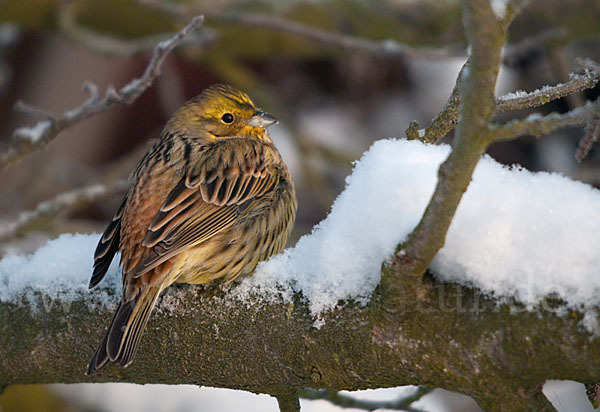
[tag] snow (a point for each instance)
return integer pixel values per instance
(499, 8)
(516, 234)
(57, 272)
(566, 396)
(34, 133)
(161, 398)
(341, 258)
(183, 398)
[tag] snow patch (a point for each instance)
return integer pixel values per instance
(60, 271)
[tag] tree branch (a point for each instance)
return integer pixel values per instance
(590, 136)
(536, 125)
(477, 103)
(209, 338)
(387, 47)
(524, 100)
(446, 120)
(113, 46)
(61, 203)
(29, 139)
(402, 404)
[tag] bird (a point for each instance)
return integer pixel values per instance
(209, 200)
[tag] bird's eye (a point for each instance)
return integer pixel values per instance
(227, 118)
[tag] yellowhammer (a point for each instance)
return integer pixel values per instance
(209, 201)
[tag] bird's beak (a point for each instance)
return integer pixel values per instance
(262, 119)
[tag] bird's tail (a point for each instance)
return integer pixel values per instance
(125, 331)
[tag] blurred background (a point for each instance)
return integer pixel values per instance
(333, 102)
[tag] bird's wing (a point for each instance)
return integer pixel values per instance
(207, 200)
(107, 246)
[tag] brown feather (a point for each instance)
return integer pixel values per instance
(209, 201)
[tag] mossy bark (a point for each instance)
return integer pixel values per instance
(445, 336)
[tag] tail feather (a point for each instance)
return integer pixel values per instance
(116, 331)
(126, 329)
(134, 335)
(100, 358)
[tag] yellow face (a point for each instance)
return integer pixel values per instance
(225, 112)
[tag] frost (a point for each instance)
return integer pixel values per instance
(519, 94)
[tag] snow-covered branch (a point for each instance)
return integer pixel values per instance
(285, 326)
(325, 314)
(523, 100)
(472, 100)
(29, 139)
(210, 338)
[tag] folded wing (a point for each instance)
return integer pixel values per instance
(208, 199)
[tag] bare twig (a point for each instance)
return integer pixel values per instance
(28, 139)
(33, 111)
(63, 202)
(343, 401)
(591, 135)
(447, 118)
(324, 37)
(111, 45)
(444, 121)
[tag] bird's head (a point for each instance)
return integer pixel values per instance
(222, 112)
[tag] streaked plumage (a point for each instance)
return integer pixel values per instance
(209, 201)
